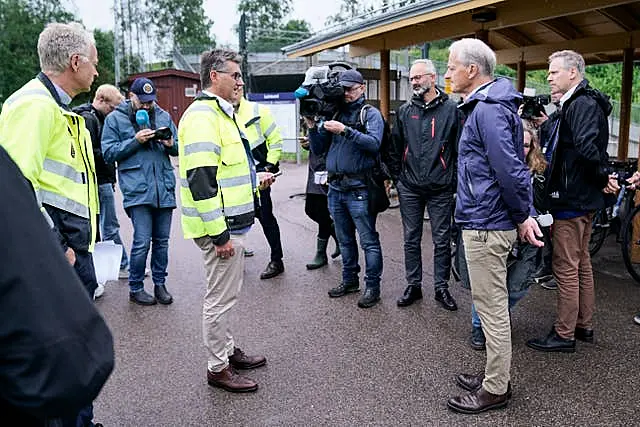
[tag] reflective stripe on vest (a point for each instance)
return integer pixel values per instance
(66, 171)
(202, 147)
(239, 210)
(64, 203)
(13, 98)
(259, 136)
(205, 216)
(223, 182)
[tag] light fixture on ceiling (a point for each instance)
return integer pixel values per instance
(482, 16)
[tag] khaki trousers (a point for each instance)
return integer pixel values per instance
(224, 281)
(572, 270)
(486, 252)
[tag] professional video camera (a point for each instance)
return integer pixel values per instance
(532, 104)
(321, 93)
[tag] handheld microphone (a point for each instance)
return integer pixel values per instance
(142, 118)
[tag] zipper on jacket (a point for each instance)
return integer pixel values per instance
(444, 164)
(406, 151)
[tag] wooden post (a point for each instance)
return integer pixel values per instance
(483, 35)
(522, 75)
(384, 83)
(625, 104)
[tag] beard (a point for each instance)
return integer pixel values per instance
(420, 91)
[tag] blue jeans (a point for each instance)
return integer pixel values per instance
(109, 225)
(514, 297)
(150, 225)
(350, 213)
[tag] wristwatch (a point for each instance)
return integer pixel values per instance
(344, 131)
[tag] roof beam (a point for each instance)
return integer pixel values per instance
(585, 46)
(622, 17)
(562, 27)
(513, 36)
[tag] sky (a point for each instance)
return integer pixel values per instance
(98, 14)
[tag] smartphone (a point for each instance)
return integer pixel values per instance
(163, 133)
(277, 174)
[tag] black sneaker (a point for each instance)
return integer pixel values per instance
(477, 340)
(636, 318)
(142, 298)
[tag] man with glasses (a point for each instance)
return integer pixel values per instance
(106, 99)
(424, 156)
(218, 189)
(351, 144)
(147, 182)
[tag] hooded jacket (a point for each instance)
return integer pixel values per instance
(145, 173)
(425, 144)
(579, 166)
(494, 183)
(94, 121)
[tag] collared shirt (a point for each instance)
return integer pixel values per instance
(64, 97)
(224, 104)
(567, 95)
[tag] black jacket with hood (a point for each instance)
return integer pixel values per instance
(425, 144)
(579, 166)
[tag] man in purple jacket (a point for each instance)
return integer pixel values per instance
(494, 199)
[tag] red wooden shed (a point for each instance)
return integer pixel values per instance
(176, 89)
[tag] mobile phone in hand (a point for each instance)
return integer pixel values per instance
(277, 174)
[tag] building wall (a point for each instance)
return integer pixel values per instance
(171, 94)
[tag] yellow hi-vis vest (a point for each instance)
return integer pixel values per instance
(53, 149)
(260, 127)
(210, 138)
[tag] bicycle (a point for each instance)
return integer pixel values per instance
(631, 243)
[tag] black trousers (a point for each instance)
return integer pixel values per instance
(316, 207)
(270, 225)
(86, 271)
(440, 207)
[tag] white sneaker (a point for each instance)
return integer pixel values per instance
(99, 291)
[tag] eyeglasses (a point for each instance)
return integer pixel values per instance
(352, 88)
(418, 76)
(527, 145)
(237, 76)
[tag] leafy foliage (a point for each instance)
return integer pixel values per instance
(21, 21)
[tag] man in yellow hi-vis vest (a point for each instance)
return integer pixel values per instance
(266, 146)
(52, 147)
(218, 190)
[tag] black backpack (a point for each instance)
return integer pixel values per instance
(378, 198)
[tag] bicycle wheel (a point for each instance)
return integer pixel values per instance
(600, 228)
(631, 243)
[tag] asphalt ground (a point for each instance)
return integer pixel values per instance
(331, 363)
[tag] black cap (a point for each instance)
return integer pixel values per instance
(144, 89)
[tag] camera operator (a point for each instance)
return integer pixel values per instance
(576, 150)
(147, 182)
(352, 148)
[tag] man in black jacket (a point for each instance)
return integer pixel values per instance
(424, 156)
(577, 176)
(56, 350)
(107, 98)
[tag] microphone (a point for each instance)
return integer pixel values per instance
(142, 118)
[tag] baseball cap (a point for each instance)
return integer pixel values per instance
(144, 89)
(350, 78)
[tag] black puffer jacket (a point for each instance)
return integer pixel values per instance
(579, 167)
(425, 144)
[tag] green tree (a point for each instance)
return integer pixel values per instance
(183, 24)
(273, 40)
(349, 9)
(265, 23)
(21, 21)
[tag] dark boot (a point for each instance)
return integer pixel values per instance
(142, 298)
(162, 295)
(370, 298)
(240, 360)
(344, 289)
(273, 269)
(553, 343)
(336, 252)
(321, 255)
(478, 340)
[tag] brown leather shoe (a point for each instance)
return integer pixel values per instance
(230, 380)
(239, 360)
(472, 382)
(477, 401)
